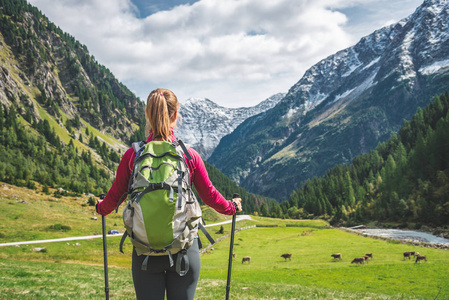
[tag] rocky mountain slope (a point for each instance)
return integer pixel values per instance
(203, 122)
(343, 106)
(46, 69)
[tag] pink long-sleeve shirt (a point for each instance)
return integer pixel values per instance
(198, 176)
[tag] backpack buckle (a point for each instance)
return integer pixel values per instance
(155, 186)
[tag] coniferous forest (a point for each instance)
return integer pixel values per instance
(405, 179)
(37, 154)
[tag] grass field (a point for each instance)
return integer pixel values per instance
(70, 270)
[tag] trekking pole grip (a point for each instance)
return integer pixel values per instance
(235, 195)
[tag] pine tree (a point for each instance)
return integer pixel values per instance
(264, 209)
(349, 194)
(2, 116)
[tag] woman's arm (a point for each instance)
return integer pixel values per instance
(206, 190)
(120, 185)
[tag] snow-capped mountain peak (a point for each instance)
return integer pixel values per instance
(203, 122)
(410, 48)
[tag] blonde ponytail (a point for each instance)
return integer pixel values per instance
(162, 106)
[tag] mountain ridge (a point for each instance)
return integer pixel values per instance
(343, 106)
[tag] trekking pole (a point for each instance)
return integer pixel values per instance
(105, 255)
(228, 284)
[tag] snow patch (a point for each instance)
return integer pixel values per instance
(314, 100)
(435, 9)
(358, 90)
(371, 63)
(338, 97)
(406, 66)
(435, 67)
(351, 69)
(291, 112)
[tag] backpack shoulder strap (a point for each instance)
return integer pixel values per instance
(184, 148)
(137, 147)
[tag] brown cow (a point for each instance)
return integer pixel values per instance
(370, 255)
(358, 260)
(287, 255)
(420, 257)
(234, 256)
(409, 254)
(337, 256)
(246, 258)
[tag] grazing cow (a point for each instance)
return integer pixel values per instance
(420, 257)
(337, 256)
(246, 258)
(409, 254)
(358, 260)
(287, 255)
(234, 255)
(370, 255)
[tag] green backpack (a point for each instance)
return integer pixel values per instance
(162, 216)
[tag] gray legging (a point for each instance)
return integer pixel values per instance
(160, 277)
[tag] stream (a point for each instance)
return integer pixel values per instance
(399, 234)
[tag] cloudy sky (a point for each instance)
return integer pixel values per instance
(233, 52)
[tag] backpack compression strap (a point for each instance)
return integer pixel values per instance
(180, 176)
(170, 258)
(123, 240)
(182, 255)
(181, 144)
(203, 229)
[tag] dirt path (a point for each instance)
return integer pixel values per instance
(239, 218)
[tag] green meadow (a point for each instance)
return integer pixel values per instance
(74, 269)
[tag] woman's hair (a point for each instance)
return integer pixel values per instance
(162, 105)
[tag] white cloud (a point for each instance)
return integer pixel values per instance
(234, 52)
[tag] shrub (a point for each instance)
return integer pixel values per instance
(91, 201)
(30, 184)
(45, 189)
(59, 227)
(221, 231)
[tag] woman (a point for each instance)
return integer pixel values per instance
(162, 113)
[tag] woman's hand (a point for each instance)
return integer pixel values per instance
(99, 201)
(96, 205)
(238, 204)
